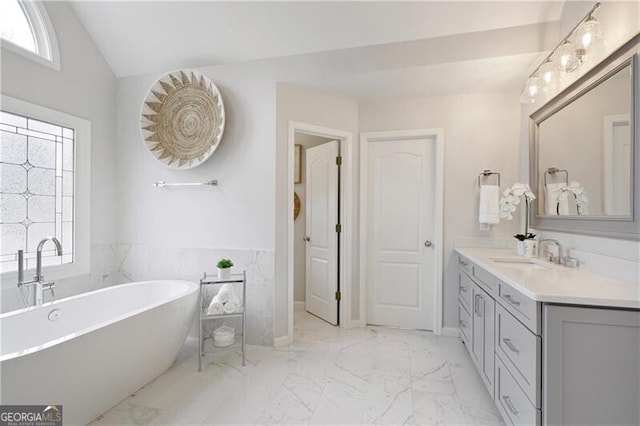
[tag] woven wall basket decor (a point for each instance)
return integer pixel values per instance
(182, 119)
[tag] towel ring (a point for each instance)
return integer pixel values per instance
(486, 174)
(553, 171)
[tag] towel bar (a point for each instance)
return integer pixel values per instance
(162, 184)
(487, 173)
(553, 171)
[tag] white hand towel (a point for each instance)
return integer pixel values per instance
(563, 203)
(551, 195)
(216, 307)
(489, 210)
(230, 307)
(224, 294)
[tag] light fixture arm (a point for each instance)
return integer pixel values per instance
(564, 40)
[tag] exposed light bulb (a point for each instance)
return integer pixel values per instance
(531, 90)
(548, 75)
(566, 57)
(585, 40)
(532, 86)
(589, 39)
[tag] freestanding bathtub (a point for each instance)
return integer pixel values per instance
(88, 352)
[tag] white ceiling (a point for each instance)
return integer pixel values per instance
(460, 41)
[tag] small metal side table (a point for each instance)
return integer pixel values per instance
(212, 280)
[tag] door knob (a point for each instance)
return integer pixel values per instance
(428, 243)
(307, 239)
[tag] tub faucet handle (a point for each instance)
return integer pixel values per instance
(49, 286)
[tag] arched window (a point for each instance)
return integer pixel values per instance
(25, 28)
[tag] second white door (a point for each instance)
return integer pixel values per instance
(400, 221)
(322, 238)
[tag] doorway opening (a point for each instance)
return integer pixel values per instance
(309, 250)
(316, 266)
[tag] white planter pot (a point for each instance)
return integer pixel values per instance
(530, 248)
(520, 248)
(224, 273)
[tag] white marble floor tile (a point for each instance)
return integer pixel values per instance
(388, 398)
(329, 375)
(436, 409)
(340, 403)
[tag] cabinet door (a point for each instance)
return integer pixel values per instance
(591, 366)
(483, 335)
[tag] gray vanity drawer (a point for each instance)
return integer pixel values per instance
(465, 286)
(520, 350)
(528, 311)
(513, 404)
(487, 281)
(465, 264)
(464, 323)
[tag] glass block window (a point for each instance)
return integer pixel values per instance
(37, 185)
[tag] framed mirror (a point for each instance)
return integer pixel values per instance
(584, 152)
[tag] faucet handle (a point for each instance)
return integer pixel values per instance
(570, 262)
(49, 286)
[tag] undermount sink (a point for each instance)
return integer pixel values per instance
(520, 262)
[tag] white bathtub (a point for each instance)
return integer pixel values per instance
(107, 344)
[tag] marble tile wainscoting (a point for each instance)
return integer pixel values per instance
(122, 263)
(103, 274)
(142, 262)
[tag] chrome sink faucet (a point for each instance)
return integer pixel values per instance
(559, 259)
(38, 280)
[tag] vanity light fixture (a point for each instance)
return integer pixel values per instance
(589, 39)
(584, 41)
(566, 57)
(531, 89)
(548, 75)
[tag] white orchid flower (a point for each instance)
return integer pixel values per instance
(576, 188)
(511, 198)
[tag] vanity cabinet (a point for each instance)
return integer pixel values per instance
(503, 341)
(476, 314)
(483, 335)
(591, 366)
(550, 363)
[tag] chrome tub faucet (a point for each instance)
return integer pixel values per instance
(38, 280)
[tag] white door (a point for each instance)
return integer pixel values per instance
(400, 218)
(321, 235)
(617, 177)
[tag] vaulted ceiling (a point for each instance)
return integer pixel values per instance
(393, 48)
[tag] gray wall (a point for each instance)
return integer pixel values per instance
(480, 132)
(84, 87)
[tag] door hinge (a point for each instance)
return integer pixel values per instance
(339, 160)
(338, 295)
(338, 228)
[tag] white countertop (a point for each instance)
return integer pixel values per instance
(557, 283)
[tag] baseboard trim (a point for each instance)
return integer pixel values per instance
(298, 303)
(450, 331)
(281, 341)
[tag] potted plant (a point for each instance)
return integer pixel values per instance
(224, 269)
(508, 203)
